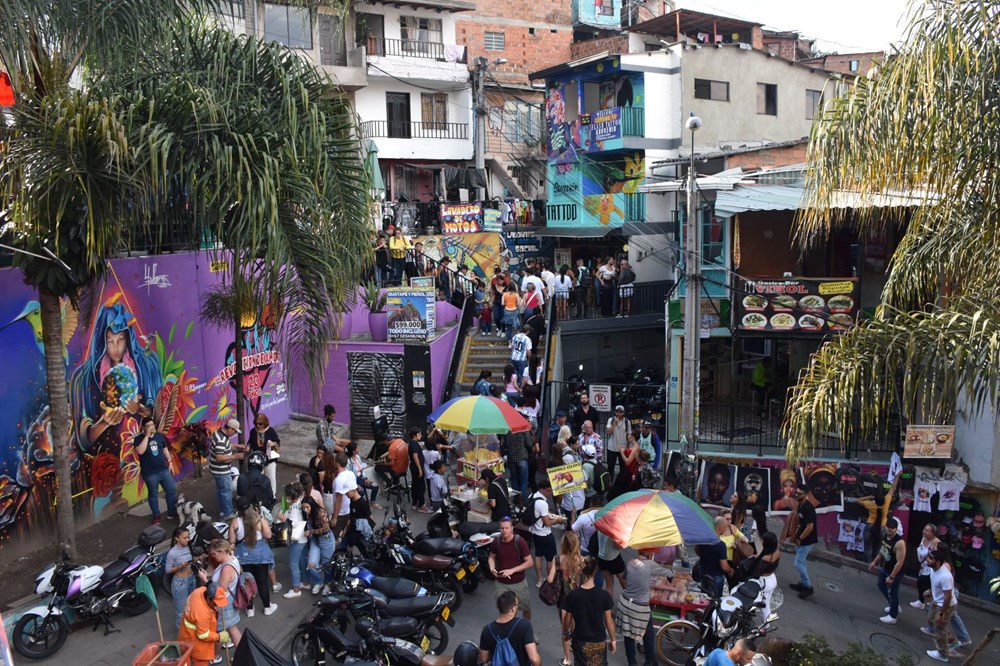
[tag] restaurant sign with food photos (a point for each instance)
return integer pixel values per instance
(929, 441)
(798, 305)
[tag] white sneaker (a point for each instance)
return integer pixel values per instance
(292, 594)
(276, 587)
(251, 611)
(270, 609)
(887, 619)
(919, 605)
(887, 610)
(316, 589)
(937, 656)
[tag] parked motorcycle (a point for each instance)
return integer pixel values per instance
(726, 620)
(437, 540)
(318, 639)
(87, 593)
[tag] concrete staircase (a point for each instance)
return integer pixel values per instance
(484, 352)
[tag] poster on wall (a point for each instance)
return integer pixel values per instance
(491, 220)
(461, 218)
(754, 486)
(784, 481)
(798, 305)
(563, 257)
(602, 125)
(524, 245)
(410, 313)
(930, 442)
(716, 483)
(480, 252)
(822, 481)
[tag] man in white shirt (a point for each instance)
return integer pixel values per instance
(615, 437)
(343, 484)
(540, 287)
(520, 347)
(945, 598)
(541, 529)
(550, 280)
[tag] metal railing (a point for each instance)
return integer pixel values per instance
(412, 48)
(395, 129)
(465, 322)
(633, 120)
(647, 298)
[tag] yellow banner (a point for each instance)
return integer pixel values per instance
(567, 478)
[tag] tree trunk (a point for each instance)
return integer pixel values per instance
(971, 659)
(60, 418)
(239, 285)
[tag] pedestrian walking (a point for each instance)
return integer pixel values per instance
(765, 568)
(178, 565)
(962, 637)
(509, 559)
(321, 543)
(154, 467)
(892, 556)
(804, 539)
(616, 434)
(297, 541)
(262, 437)
(633, 617)
(249, 534)
(928, 543)
(509, 639)
(219, 458)
(344, 484)
(520, 347)
(541, 529)
(587, 621)
(945, 601)
(415, 453)
(518, 447)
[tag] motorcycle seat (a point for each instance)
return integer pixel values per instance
(412, 607)
(436, 660)
(398, 627)
(437, 562)
(440, 546)
(396, 588)
(747, 593)
(466, 530)
(333, 600)
(132, 553)
(114, 570)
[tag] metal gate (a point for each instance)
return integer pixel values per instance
(376, 379)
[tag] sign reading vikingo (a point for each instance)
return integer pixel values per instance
(411, 314)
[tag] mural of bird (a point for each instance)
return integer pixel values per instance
(32, 314)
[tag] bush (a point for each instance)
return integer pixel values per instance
(813, 650)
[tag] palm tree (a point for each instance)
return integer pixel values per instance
(926, 125)
(255, 144)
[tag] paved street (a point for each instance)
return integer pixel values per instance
(845, 608)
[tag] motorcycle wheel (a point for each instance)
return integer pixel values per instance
(676, 642)
(455, 585)
(438, 635)
(134, 604)
(305, 649)
(37, 637)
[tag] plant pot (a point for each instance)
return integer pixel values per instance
(342, 325)
(378, 325)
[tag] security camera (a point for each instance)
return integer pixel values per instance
(693, 123)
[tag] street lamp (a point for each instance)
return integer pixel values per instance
(482, 64)
(692, 305)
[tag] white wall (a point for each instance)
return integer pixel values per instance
(977, 441)
(738, 119)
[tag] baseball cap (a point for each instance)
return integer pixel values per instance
(218, 594)
(561, 412)
(589, 450)
(619, 408)
(647, 423)
(234, 424)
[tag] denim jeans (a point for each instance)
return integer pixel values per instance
(959, 629)
(801, 553)
(153, 482)
(890, 592)
(295, 551)
(519, 477)
(648, 646)
(320, 552)
(519, 367)
(224, 493)
(180, 590)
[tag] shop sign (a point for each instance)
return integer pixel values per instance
(491, 220)
(411, 314)
(603, 125)
(461, 218)
(929, 441)
(798, 305)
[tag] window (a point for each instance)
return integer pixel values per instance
(494, 41)
(767, 99)
(522, 122)
(420, 29)
(715, 90)
(854, 65)
(291, 26)
(712, 238)
(434, 109)
(814, 101)
(606, 7)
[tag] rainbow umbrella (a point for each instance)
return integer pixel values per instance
(654, 518)
(478, 415)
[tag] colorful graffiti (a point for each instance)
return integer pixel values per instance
(479, 251)
(142, 351)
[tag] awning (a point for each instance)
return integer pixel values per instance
(573, 232)
(744, 198)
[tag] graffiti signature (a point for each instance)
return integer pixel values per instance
(151, 279)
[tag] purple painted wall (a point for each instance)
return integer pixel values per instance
(144, 349)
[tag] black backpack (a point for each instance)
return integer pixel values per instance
(600, 478)
(528, 517)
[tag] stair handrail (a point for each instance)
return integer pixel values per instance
(464, 324)
(544, 414)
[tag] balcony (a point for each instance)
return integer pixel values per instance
(392, 129)
(633, 120)
(346, 67)
(410, 48)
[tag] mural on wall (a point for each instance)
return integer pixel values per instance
(479, 251)
(597, 187)
(142, 350)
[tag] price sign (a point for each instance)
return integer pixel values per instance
(600, 397)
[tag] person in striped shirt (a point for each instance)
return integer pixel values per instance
(219, 458)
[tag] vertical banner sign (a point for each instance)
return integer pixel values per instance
(410, 313)
(491, 220)
(461, 218)
(417, 384)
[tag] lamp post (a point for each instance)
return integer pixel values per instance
(692, 305)
(479, 91)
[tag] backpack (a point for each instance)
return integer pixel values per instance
(600, 478)
(246, 591)
(528, 517)
(504, 653)
(593, 545)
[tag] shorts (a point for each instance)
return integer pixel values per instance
(614, 567)
(229, 615)
(562, 295)
(545, 546)
(520, 589)
(625, 291)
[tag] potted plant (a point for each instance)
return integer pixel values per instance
(375, 301)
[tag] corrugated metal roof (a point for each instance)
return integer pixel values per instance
(743, 198)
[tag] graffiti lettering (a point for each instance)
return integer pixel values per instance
(151, 279)
(250, 362)
(561, 212)
(565, 188)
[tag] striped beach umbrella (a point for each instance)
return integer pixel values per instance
(479, 415)
(654, 518)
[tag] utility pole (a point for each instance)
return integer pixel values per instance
(692, 306)
(479, 110)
